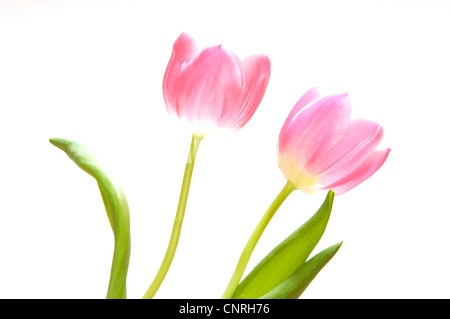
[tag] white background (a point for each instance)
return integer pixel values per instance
(91, 70)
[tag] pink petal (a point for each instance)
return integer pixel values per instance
(362, 138)
(256, 74)
(183, 49)
(360, 173)
(207, 85)
(310, 96)
(317, 128)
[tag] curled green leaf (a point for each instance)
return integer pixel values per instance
(116, 207)
(295, 284)
(288, 256)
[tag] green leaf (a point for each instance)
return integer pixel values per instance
(116, 207)
(296, 284)
(284, 259)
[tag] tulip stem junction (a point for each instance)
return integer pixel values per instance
(246, 253)
(170, 253)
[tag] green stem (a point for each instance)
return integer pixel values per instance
(116, 208)
(173, 243)
(246, 253)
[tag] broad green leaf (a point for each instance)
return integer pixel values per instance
(284, 259)
(116, 207)
(296, 283)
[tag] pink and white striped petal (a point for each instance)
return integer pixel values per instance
(184, 49)
(362, 138)
(366, 168)
(208, 86)
(319, 147)
(212, 89)
(256, 74)
(310, 96)
(317, 128)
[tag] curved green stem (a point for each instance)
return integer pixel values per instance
(176, 230)
(246, 253)
(116, 208)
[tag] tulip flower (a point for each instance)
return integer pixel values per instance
(213, 89)
(320, 147)
(209, 90)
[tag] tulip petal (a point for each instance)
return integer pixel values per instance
(310, 96)
(317, 128)
(208, 85)
(362, 138)
(183, 49)
(256, 74)
(366, 168)
(212, 89)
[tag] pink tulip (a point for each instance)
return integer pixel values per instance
(213, 89)
(320, 147)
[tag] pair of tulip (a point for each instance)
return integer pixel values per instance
(319, 146)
